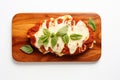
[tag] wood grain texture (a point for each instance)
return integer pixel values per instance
(23, 21)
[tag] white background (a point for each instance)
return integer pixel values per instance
(107, 68)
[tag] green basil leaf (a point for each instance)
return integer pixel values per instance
(65, 38)
(54, 40)
(52, 35)
(43, 40)
(92, 24)
(46, 42)
(27, 49)
(75, 36)
(62, 31)
(46, 32)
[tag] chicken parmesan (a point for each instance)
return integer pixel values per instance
(64, 35)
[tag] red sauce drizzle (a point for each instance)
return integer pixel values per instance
(49, 49)
(33, 30)
(59, 21)
(47, 23)
(42, 49)
(65, 50)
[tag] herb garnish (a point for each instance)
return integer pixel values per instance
(27, 49)
(75, 36)
(62, 32)
(92, 24)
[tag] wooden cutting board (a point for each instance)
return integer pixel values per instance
(23, 21)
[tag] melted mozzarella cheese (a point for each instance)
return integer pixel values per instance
(79, 28)
(39, 33)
